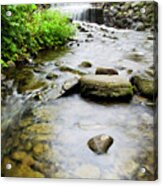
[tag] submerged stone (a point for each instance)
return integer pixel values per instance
(19, 170)
(100, 144)
(107, 87)
(87, 171)
(40, 148)
(39, 129)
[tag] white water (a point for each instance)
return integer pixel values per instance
(73, 10)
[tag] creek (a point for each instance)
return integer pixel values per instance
(48, 137)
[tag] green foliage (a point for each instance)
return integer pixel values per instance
(4, 64)
(26, 29)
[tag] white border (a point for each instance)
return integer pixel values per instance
(70, 182)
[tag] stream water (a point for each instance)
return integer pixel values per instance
(48, 138)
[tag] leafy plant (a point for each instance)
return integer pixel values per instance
(27, 29)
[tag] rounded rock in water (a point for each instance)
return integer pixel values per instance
(100, 144)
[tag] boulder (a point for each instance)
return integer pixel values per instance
(144, 85)
(100, 144)
(106, 87)
(109, 71)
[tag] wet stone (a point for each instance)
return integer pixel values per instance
(90, 35)
(129, 71)
(69, 84)
(106, 87)
(59, 63)
(71, 70)
(144, 84)
(52, 76)
(85, 64)
(100, 144)
(108, 71)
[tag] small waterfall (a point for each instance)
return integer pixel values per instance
(81, 11)
(76, 11)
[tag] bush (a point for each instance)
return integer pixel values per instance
(27, 29)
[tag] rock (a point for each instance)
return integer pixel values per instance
(144, 85)
(69, 84)
(22, 156)
(71, 70)
(90, 35)
(100, 144)
(27, 81)
(51, 76)
(150, 37)
(82, 29)
(106, 87)
(113, 37)
(40, 148)
(39, 129)
(87, 171)
(88, 40)
(136, 56)
(109, 71)
(129, 71)
(140, 26)
(59, 63)
(85, 64)
(150, 72)
(38, 70)
(19, 155)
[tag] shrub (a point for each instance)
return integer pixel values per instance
(27, 29)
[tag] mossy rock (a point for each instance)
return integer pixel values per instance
(27, 81)
(30, 85)
(106, 87)
(144, 85)
(71, 70)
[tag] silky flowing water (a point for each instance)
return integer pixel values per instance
(48, 138)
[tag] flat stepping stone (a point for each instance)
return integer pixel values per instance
(105, 86)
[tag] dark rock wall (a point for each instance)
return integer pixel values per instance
(139, 16)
